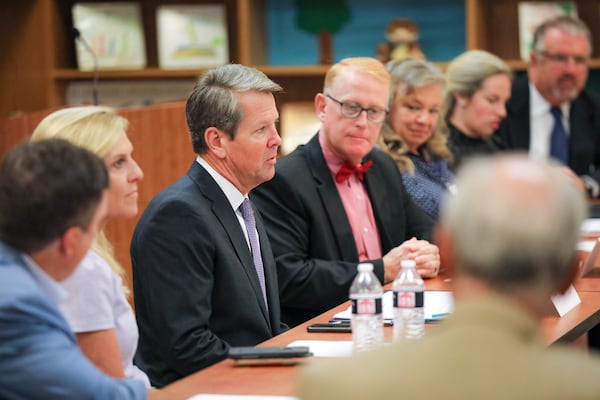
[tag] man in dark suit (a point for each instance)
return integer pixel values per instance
(198, 286)
(554, 91)
(323, 218)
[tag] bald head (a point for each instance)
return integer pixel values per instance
(514, 223)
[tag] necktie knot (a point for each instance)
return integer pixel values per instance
(556, 113)
(348, 169)
(247, 213)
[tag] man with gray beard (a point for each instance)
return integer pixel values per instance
(550, 113)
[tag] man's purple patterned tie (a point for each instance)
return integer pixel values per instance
(248, 215)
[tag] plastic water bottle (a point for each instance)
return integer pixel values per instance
(409, 299)
(367, 319)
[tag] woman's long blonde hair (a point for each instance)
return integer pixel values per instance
(98, 129)
(408, 75)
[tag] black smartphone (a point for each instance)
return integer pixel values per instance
(249, 352)
(330, 327)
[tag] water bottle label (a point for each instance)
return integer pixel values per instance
(366, 306)
(408, 299)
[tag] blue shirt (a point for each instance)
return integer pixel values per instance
(429, 183)
(39, 356)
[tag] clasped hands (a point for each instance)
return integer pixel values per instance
(425, 255)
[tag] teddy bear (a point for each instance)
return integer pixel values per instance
(402, 37)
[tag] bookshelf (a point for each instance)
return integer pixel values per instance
(39, 54)
(494, 26)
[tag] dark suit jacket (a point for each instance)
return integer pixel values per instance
(584, 122)
(195, 286)
(310, 233)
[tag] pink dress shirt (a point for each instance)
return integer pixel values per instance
(358, 209)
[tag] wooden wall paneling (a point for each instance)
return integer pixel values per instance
(500, 27)
(296, 88)
(589, 12)
(474, 11)
(24, 65)
(251, 34)
(163, 150)
(18, 128)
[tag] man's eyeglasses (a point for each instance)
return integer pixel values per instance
(564, 58)
(353, 110)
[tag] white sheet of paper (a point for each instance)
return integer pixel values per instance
(438, 304)
(590, 226)
(585, 245)
(326, 348)
(565, 302)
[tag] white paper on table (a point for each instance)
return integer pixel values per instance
(326, 348)
(590, 226)
(238, 397)
(438, 304)
(585, 245)
(565, 302)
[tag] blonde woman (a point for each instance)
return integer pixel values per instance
(478, 85)
(410, 134)
(97, 308)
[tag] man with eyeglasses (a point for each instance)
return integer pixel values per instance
(550, 112)
(337, 201)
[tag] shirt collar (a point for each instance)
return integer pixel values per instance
(234, 196)
(539, 106)
(47, 284)
(334, 162)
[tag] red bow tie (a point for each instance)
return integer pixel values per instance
(348, 169)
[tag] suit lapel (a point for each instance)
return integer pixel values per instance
(224, 213)
(518, 108)
(581, 138)
(331, 201)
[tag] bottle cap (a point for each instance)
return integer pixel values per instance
(408, 264)
(365, 267)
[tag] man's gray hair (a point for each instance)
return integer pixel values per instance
(514, 222)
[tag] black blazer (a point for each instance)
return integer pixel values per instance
(584, 123)
(195, 287)
(310, 233)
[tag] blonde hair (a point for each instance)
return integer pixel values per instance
(369, 65)
(98, 129)
(465, 75)
(408, 75)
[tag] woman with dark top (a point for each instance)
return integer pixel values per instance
(478, 85)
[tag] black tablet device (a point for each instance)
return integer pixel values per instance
(249, 352)
(330, 327)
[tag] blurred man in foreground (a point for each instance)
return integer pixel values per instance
(52, 204)
(509, 238)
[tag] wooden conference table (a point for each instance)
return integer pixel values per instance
(227, 378)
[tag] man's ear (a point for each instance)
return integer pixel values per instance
(572, 274)
(216, 141)
(443, 240)
(533, 58)
(460, 99)
(320, 103)
(68, 241)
